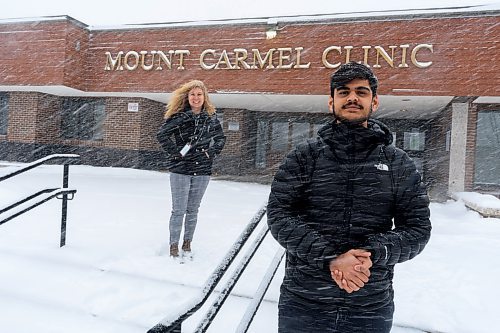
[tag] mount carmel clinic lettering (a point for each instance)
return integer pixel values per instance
(395, 56)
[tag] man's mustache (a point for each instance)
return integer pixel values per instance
(351, 105)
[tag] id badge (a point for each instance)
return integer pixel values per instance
(185, 149)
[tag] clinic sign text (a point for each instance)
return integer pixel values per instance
(395, 56)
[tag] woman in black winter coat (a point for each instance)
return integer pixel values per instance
(192, 137)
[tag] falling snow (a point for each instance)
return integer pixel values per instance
(114, 274)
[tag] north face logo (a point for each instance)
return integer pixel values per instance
(382, 167)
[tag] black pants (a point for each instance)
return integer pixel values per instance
(295, 317)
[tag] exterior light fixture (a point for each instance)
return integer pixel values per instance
(271, 33)
(272, 28)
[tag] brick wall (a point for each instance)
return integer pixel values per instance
(45, 53)
(234, 150)
(460, 44)
(151, 119)
(122, 128)
(76, 55)
(23, 108)
(48, 119)
(33, 53)
(471, 146)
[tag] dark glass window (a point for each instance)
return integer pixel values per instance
(4, 113)
(260, 149)
(414, 140)
(279, 137)
(83, 118)
(300, 133)
(487, 165)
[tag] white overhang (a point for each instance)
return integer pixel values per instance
(397, 107)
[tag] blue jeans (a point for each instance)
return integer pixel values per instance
(187, 192)
(295, 317)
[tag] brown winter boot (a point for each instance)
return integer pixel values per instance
(186, 246)
(174, 250)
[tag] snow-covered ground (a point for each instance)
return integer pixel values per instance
(114, 274)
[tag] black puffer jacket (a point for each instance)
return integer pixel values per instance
(342, 192)
(202, 131)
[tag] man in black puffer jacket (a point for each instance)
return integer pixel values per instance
(347, 207)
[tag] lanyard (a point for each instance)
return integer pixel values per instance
(197, 132)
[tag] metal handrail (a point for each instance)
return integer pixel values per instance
(166, 325)
(53, 194)
(261, 291)
(64, 192)
(36, 163)
(216, 305)
(28, 198)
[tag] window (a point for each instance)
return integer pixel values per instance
(279, 139)
(316, 128)
(4, 113)
(260, 153)
(414, 140)
(487, 165)
(83, 119)
(300, 133)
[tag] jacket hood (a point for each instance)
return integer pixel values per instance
(381, 128)
(353, 139)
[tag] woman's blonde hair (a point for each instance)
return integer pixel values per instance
(179, 99)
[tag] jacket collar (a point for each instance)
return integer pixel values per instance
(355, 141)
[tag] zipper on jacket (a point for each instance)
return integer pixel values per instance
(348, 201)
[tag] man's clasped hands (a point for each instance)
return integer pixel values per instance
(351, 270)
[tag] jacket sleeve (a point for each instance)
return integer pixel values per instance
(218, 137)
(412, 226)
(167, 129)
(286, 223)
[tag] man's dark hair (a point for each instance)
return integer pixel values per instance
(351, 71)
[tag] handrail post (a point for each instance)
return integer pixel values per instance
(64, 209)
(65, 191)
